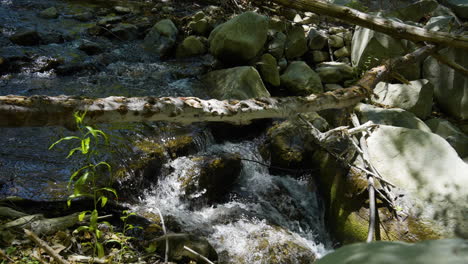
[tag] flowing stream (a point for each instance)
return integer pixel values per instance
(266, 219)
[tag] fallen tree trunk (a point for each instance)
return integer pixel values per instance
(380, 24)
(17, 111)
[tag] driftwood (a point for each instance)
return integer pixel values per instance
(40, 225)
(387, 26)
(17, 111)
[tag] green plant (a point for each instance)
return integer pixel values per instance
(84, 180)
(122, 239)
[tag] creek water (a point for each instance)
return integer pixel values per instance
(267, 216)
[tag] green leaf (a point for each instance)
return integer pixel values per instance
(63, 139)
(151, 248)
(100, 249)
(94, 219)
(103, 201)
(72, 151)
(85, 145)
(81, 228)
(82, 215)
(98, 233)
(103, 163)
(109, 190)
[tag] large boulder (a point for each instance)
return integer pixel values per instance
(26, 37)
(454, 136)
(451, 251)
(161, 38)
(300, 79)
(392, 117)
(415, 97)
(235, 83)
(240, 39)
(334, 72)
(276, 45)
(433, 178)
(316, 39)
(370, 48)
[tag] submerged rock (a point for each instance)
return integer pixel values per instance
(178, 253)
(161, 38)
(235, 83)
(452, 251)
(124, 31)
(49, 13)
(239, 39)
(300, 79)
(26, 37)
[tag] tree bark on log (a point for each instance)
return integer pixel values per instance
(17, 111)
(380, 24)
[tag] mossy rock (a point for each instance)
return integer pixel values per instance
(214, 177)
(347, 207)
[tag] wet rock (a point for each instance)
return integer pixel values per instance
(336, 41)
(317, 56)
(268, 69)
(316, 40)
(277, 44)
(161, 38)
(190, 46)
(300, 79)
(342, 52)
(454, 136)
(4, 65)
(282, 64)
(213, 179)
(414, 11)
(90, 47)
(84, 17)
(124, 32)
(235, 83)
(51, 37)
(177, 252)
(237, 41)
(415, 97)
(49, 13)
(296, 43)
(73, 68)
(276, 24)
(288, 145)
(26, 37)
(370, 48)
(109, 20)
(380, 252)
(393, 117)
(332, 87)
(122, 10)
(334, 72)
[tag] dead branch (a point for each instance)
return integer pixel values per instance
(380, 24)
(198, 255)
(41, 243)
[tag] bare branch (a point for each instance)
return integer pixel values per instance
(41, 243)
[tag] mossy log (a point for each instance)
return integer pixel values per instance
(17, 111)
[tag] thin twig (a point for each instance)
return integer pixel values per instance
(5, 256)
(198, 254)
(166, 253)
(370, 179)
(41, 243)
(452, 64)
